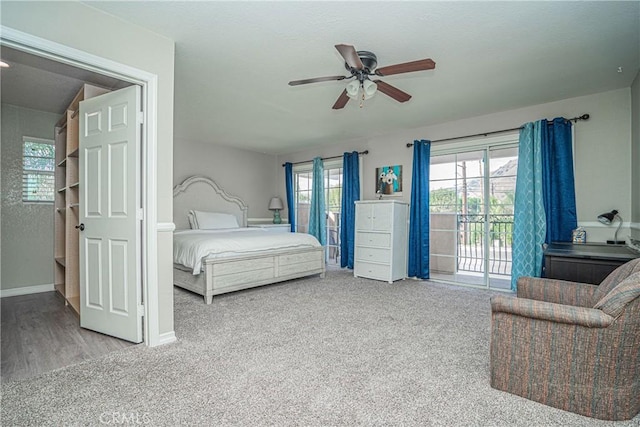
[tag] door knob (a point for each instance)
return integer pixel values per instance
(80, 227)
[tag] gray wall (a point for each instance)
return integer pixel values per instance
(246, 174)
(635, 155)
(27, 228)
(602, 152)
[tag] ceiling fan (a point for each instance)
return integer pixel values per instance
(362, 64)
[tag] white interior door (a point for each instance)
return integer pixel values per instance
(110, 279)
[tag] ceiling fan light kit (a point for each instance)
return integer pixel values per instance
(362, 64)
(369, 88)
(353, 88)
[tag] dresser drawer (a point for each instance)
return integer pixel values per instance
(371, 271)
(382, 240)
(373, 255)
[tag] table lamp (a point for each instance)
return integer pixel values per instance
(275, 205)
(607, 218)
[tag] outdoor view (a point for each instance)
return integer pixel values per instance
(471, 205)
(38, 166)
(333, 201)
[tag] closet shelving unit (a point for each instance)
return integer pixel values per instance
(67, 200)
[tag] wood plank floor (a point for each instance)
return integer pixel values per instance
(40, 334)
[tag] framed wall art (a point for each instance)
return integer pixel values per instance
(389, 180)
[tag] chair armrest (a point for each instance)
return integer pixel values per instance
(542, 310)
(557, 291)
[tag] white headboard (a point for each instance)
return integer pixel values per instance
(203, 194)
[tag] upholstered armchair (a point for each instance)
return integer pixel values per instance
(570, 345)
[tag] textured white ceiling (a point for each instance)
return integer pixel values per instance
(234, 59)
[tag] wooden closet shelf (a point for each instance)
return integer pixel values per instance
(62, 190)
(62, 163)
(74, 205)
(59, 287)
(74, 185)
(62, 123)
(74, 302)
(61, 260)
(73, 153)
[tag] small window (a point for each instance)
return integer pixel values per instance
(38, 165)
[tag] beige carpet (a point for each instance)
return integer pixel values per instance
(333, 351)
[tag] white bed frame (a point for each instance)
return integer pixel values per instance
(230, 274)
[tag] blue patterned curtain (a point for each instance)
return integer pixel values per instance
(419, 211)
(529, 228)
(350, 193)
(288, 181)
(558, 187)
(317, 214)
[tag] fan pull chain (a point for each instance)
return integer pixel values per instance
(362, 100)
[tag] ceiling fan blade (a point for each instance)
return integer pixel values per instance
(342, 100)
(392, 91)
(315, 80)
(407, 67)
(350, 56)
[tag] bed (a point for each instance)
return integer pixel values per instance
(235, 266)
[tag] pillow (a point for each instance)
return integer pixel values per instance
(616, 300)
(215, 220)
(192, 220)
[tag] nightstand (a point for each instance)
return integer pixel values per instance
(273, 228)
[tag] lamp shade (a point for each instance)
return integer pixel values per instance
(369, 88)
(352, 89)
(607, 218)
(275, 204)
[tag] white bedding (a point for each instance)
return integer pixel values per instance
(191, 246)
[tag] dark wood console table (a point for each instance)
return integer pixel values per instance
(584, 262)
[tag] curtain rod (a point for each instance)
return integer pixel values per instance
(574, 119)
(327, 158)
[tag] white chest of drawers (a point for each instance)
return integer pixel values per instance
(381, 240)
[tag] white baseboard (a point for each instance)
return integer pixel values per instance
(26, 290)
(166, 338)
(166, 226)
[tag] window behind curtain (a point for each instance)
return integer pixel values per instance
(38, 165)
(303, 178)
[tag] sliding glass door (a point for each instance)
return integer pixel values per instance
(471, 212)
(303, 179)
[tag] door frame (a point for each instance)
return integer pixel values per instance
(148, 171)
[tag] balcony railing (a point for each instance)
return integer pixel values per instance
(471, 243)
